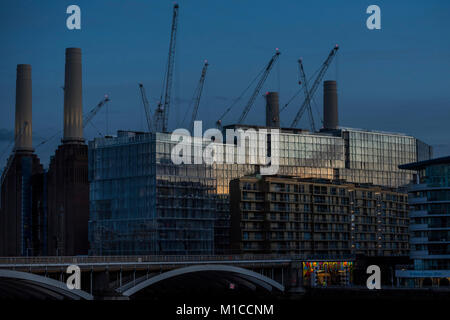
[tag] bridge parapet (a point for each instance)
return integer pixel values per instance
(66, 260)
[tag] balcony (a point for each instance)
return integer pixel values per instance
(418, 240)
(418, 254)
(417, 187)
(438, 240)
(418, 213)
(424, 186)
(417, 200)
(416, 227)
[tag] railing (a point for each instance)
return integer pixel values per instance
(404, 267)
(162, 259)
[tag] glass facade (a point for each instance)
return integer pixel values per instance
(185, 203)
(143, 203)
(122, 177)
(374, 157)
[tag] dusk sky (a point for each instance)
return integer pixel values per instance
(394, 79)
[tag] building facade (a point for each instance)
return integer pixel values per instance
(141, 203)
(285, 215)
(429, 201)
(169, 191)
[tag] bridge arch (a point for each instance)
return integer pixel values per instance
(246, 275)
(22, 284)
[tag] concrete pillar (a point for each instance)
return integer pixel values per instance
(73, 106)
(294, 280)
(101, 282)
(23, 125)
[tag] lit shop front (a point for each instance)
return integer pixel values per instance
(327, 273)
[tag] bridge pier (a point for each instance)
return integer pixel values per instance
(293, 282)
(100, 283)
(101, 288)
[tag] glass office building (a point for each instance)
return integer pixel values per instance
(142, 203)
(374, 156)
(122, 177)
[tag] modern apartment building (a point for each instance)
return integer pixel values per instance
(317, 217)
(429, 201)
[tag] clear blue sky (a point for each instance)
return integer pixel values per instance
(393, 79)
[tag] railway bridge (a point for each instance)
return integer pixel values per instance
(141, 277)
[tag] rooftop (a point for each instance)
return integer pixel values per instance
(422, 164)
(316, 181)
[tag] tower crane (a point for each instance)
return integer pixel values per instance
(262, 78)
(94, 110)
(146, 107)
(162, 112)
(198, 94)
(315, 85)
(304, 81)
(259, 86)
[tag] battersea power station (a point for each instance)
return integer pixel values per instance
(46, 212)
(338, 190)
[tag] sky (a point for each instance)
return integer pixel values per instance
(393, 79)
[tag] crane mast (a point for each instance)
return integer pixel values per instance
(146, 107)
(198, 94)
(304, 81)
(259, 86)
(315, 85)
(162, 112)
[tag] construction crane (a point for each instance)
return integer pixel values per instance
(162, 112)
(198, 94)
(304, 81)
(146, 107)
(94, 110)
(259, 85)
(219, 122)
(87, 119)
(315, 85)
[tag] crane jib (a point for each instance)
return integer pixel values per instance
(258, 87)
(315, 85)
